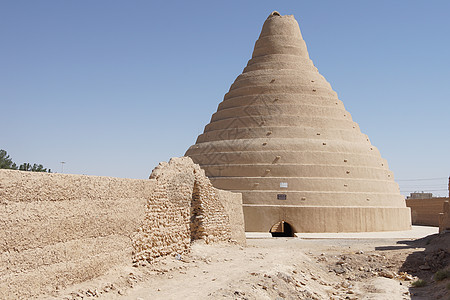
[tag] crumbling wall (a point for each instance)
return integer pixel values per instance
(444, 218)
(425, 211)
(215, 223)
(165, 229)
(232, 203)
(57, 229)
(196, 208)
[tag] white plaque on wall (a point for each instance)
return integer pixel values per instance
(283, 184)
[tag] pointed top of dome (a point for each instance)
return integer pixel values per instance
(273, 14)
(276, 24)
(280, 35)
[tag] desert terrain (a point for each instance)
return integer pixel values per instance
(285, 268)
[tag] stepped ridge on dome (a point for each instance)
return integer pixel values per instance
(281, 130)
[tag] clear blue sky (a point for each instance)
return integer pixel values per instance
(114, 87)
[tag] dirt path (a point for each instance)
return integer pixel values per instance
(279, 268)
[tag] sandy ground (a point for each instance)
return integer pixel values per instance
(286, 268)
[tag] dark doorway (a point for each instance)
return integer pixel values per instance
(282, 229)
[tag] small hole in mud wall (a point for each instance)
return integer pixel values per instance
(282, 229)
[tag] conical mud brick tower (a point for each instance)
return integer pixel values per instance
(284, 140)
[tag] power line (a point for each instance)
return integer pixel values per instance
(440, 178)
(424, 190)
(425, 185)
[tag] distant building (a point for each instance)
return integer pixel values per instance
(428, 210)
(420, 195)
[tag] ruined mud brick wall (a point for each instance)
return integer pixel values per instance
(444, 218)
(219, 213)
(232, 203)
(164, 229)
(199, 212)
(426, 211)
(57, 230)
(162, 232)
(213, 223)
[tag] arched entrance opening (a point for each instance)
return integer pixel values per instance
(282, 229)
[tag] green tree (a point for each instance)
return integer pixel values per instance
(33, 168)
(25, 167)
(39, 168)
(5, 161)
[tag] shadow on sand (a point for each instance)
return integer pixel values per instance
(432, 255)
